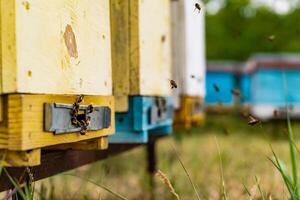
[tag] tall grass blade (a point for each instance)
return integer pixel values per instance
(259, 188)
(291, 141)
(99, 185)
(16, 185)
(284, 173)
(1, 161)
(187, 173)
(247, 192)
(167, 182)
(224, 194)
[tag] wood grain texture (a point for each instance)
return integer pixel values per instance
(56, 47)
(121, 103)
(188, 47)
(187, 115)
(20, 158)
(150, 47)
(94, 144)
(120, 52)
(22, 128)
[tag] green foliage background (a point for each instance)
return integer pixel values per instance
(239, 29)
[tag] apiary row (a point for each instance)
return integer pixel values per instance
(266, 85)
(83, 74)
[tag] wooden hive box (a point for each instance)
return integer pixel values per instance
(51, 52)
(142, 53)
(188, 61)
(188, 48)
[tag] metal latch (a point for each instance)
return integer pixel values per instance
(160, 110)
(57, 118)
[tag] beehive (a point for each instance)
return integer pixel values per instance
(221, 79)
(188, 61)
(52, 52)
(141, 49)
(188, 49)
(273, 81)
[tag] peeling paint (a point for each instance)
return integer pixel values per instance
(70, 41)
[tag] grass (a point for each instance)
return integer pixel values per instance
(244, 152)
(237, 157)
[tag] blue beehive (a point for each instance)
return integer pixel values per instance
(271, 82)
(223, 75)
(146, 116)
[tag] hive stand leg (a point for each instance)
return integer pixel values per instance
(151, 161)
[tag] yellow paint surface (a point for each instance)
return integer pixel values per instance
(56, 47)
(22, 127)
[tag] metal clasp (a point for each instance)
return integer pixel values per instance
(57, 118)
(159, 111)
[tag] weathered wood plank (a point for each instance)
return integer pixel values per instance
(188, 48)
(24, 121)
(95, 144)
(20, 158)
(150, 47)
(56, 47)
(146, 42)
(120, 52)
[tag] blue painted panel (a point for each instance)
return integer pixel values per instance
(268, 87)
(225, 81)
(136, 125)
(245, 85)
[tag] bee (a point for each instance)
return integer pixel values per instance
(193, 76)
(90, 108)
(216, 87)
(197, 7)
(236, 92)
(173, 84)
(271, 38)
(252, 120)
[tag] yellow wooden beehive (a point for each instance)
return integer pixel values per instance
(51, 52)
(141, 49)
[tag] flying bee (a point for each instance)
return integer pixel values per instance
(236, 92)
(253, 121)
(173, 84)
(197, 7)
(216, 87)
(193, 76)
(271, 38)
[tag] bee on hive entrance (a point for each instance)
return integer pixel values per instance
(216, 87)
(173, 84)
(197, 7)
(253, 121)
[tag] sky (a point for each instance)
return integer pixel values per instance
(280, 6)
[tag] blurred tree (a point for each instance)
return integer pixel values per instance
(239, 29)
